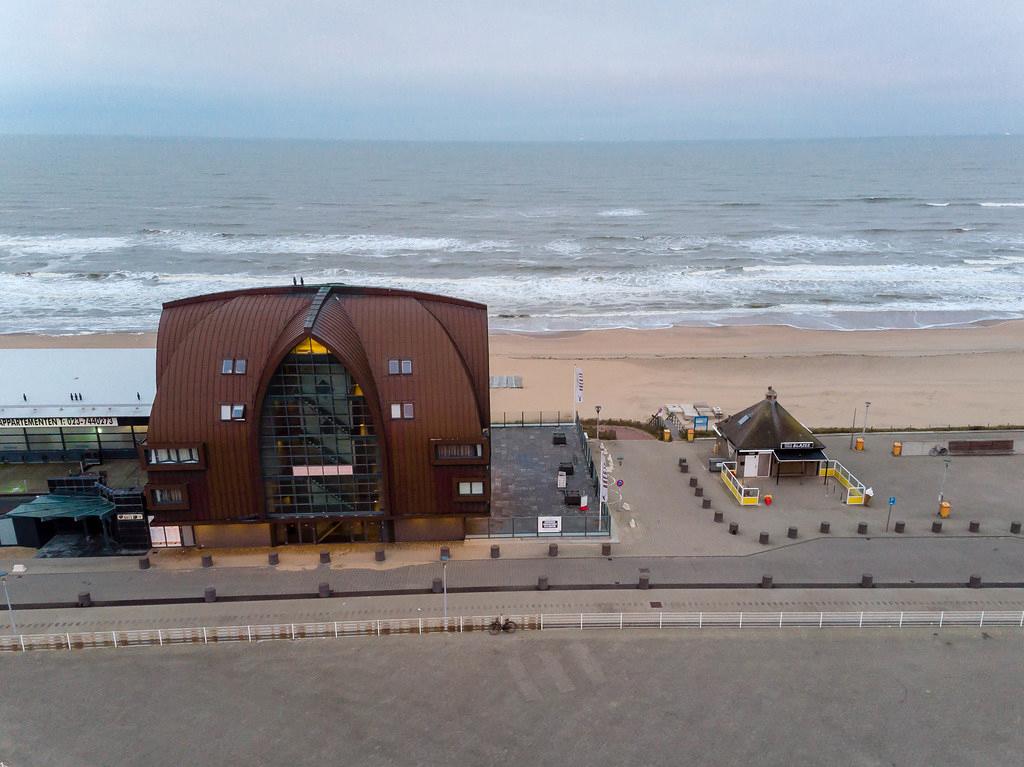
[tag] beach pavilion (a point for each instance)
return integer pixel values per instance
(766, 440)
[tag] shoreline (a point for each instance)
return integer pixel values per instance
(914, 378)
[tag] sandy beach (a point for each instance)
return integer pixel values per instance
(913, 378)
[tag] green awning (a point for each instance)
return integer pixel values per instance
(75, 507)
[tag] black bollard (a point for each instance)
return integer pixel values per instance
(974, 582)
(684, 468)
(734, 528)
(719, 516)
(273, 559)
(324, 589)
(826, 527)
(699, 492)
(645, 582)
(143, 563)
(936, 527)
(325, 557)
(693, 482)
(542, 583)
(973, 527)
(1015, 528)
(606, 549)
(84, 599)
(862, 528)
(766, 581)
(210, 594)
(378, 555)
(791, 533)
(552, 549)
(763, 538)
(705, 503)
(900, 527)
(495, 551)
(207, 560)
(867, 581)
(435, 586)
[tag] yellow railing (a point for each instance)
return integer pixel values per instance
(745, 496)
(854, 487)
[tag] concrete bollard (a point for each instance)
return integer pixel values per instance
(900, 527)
(862, 528)
(698, 492)
(763, 538)
(705, 503)
(273, 559)
(436, 586)
(734, 528)
(207, 560)
(766, 581)
(325, 557)
(324, 589)
(826, 528)
(606, 549)
(719, 516)
(791, 533)
(974, 582)
(693, 482)
(542, 583)
(645, 582)
(495, 551)
(867, 581)
(210, 594)
(84, 599)
(1015, 528)
(378, 555)
(973, 527)
(552, 549)
(143, 563)
(936, 527)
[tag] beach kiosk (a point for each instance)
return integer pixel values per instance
(766, 440)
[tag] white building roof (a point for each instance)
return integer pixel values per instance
(39, 383)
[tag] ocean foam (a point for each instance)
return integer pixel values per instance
(622, 213)
(1001, 204)
(799, 243)
(60, 245)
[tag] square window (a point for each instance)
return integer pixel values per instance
(465, 488)
(240, 366)
(407, 367)
(478, 488)
(396, 411)
(407, 410)
(225, 412)
(226, 366)
(393, 367)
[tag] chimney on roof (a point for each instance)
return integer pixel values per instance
(771, 396)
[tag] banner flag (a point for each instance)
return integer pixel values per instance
(579, 386)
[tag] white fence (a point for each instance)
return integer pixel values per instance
(79, 640)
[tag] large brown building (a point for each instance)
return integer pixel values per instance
(311, 414)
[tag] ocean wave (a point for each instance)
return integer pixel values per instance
(564, 247)
(798, 243)
(936, 204)
(61, 245)
(622, 213)
(1001, 204)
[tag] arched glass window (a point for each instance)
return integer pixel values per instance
(318, 446)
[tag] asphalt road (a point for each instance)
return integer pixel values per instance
(559, 698)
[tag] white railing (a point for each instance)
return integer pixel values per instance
(79, 640)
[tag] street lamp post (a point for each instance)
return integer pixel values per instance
(597, 429)
(7, 596)
(444, 587)
(942, 485)
(864, 428)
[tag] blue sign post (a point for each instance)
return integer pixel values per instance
(892, 502)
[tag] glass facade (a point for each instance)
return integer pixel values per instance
(319, 449)
(113, 441)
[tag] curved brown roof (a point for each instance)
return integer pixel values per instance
(339, 288)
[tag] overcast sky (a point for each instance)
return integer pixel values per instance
(512, 69)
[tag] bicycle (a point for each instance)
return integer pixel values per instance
(497, 626)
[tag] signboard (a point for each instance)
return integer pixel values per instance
(130, 517)
(618, 483)
(549, 524)
(579, 386)
(31, 423)
(892, 500)
(796, 445)
(606, 475)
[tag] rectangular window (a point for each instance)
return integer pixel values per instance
(407, 367)
(394, 367)
(240, 366)
(225, 412)
(238, 412)
(163, 496)
(396, 411)
(407, 410)
(471, 488)
(454, 452)
(226, 366)
(172, 455)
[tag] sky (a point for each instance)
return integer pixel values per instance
(512, 70)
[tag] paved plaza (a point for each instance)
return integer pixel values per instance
(792, 698)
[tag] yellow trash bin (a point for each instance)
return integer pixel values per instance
(944, 509)
(859, 444)
(689, 435)
(666, 435)
(897, 448)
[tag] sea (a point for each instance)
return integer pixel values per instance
(96, 232)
